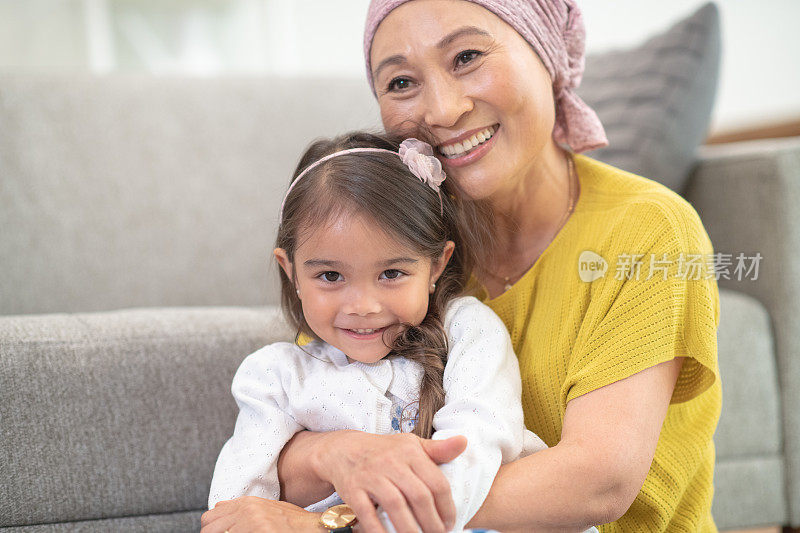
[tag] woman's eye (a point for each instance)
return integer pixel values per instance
(466, 57)
(399, 84)
(331, 276)
(391, 273)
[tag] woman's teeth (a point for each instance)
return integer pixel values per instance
(451, 151)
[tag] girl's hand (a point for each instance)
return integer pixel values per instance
(397, 472)
(250, 514)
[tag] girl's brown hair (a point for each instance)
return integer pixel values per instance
(379, 186)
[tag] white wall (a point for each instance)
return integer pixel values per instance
(760, 71)
(760, 76)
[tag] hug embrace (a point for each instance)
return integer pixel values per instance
(451, 368)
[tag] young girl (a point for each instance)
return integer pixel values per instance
(371, 274)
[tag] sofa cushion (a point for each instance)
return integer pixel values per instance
(749, 492)
(750, 423)
(655, 100)
(119, 414)
(136, 191)
(158, 523)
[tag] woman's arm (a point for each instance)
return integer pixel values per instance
(594, 473)
(252, 514)
(591, 477)
(398, 471)
(297, 469)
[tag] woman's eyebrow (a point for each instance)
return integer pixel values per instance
(461, 32)
(396, 59)
(399, 59)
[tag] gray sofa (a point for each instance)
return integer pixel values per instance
(137, 220)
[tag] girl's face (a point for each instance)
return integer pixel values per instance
(458, 71)
(355, 281)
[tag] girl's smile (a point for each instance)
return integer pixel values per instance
(364, 333)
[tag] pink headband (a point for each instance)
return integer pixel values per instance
(554, 29)
(417, 156)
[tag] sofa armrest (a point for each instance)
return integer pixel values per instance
(748, 196)
(119, 414)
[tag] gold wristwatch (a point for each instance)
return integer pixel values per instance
(338, 519)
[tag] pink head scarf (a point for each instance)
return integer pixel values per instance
(554, 29)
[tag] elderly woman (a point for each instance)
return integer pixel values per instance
(587, 267)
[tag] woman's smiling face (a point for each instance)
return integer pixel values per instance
(451, 71)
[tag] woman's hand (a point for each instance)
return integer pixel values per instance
(250, 514)
(397, 472)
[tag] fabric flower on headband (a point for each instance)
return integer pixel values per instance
(418, 157)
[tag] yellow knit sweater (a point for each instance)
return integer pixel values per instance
(573, 336)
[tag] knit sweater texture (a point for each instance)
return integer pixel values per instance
(656, 299)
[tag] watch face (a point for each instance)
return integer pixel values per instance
(338, 516)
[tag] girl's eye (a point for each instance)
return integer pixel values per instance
(465, 57)
(331, 276)
(399, 84)
(392, 273)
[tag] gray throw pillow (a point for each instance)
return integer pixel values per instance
(655, 100)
